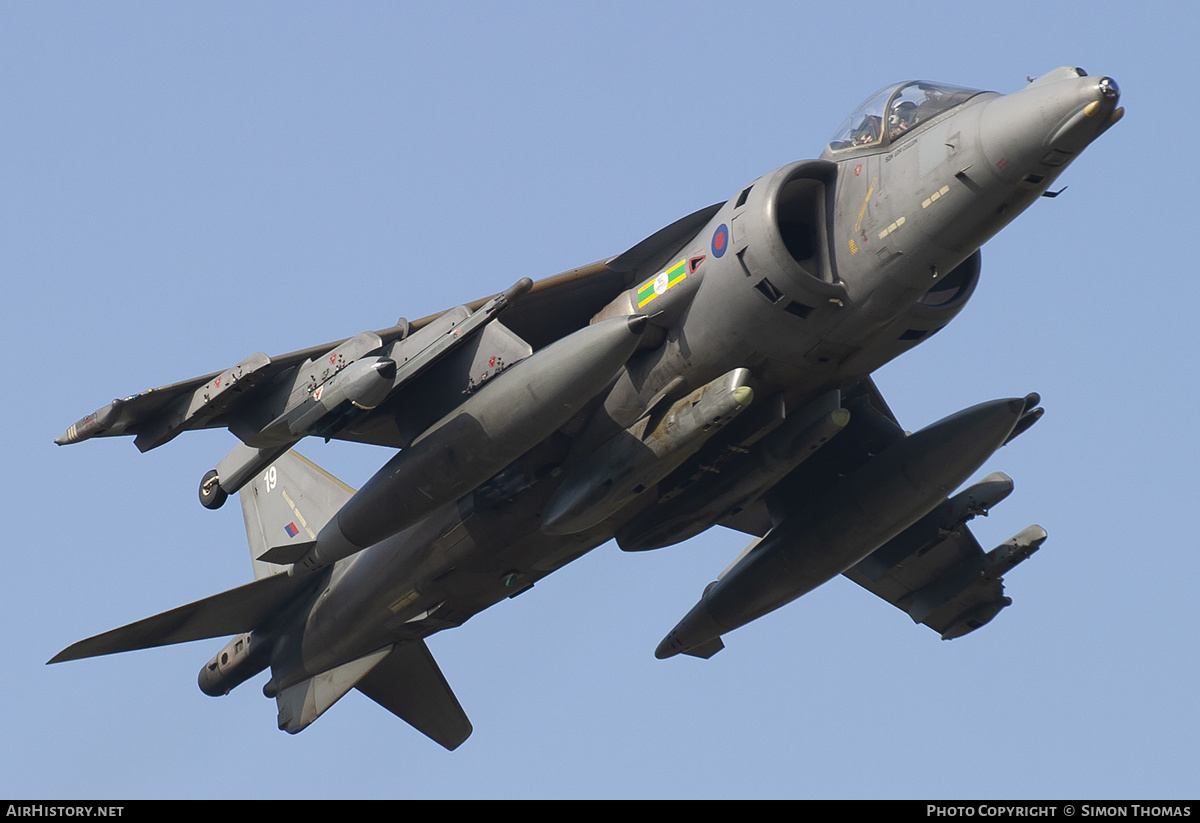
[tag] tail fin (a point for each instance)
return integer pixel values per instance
(287, 505)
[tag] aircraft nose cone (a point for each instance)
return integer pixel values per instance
(1109, 88)
(1049, 122)
(1087, 112)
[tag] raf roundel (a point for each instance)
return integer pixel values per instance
(720, 240)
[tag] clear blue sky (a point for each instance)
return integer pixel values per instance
(184, 184)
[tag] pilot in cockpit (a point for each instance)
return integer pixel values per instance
(901, 108)
(902, 118)
(869, 131)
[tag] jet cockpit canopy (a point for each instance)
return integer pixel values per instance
(895, 111)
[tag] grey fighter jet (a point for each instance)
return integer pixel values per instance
(717, 373)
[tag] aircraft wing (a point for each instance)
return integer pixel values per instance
(935, 570)
(951, 585)
(156, 416)
(252, 394)
(263, 400)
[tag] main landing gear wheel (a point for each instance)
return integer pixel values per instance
(212, 496)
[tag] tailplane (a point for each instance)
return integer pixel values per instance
(285, 507)
(243, 609)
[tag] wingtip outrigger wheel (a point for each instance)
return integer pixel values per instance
(212, 496)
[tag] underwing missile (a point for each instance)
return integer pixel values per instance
(357, 388)
(509, 415)
(643, 454)
(330, 391)
(839, 528)
(361, 386)
(1013, 551)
